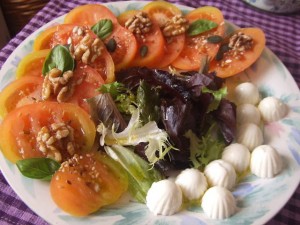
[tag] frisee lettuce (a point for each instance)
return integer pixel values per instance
(205, 149)
(135, 133)
(218, 96)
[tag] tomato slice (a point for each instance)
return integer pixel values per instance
(21, 127)
(89, 14)
(153, 42)
(126, 47)
(60, 34)
(92, 181)
(161, 12)
(230, 65)
(20, 92)
(32, 63)
(197, 48)
(28, 89)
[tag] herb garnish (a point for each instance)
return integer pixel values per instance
(201, 26)
(38, 168)
(103, 28)
(59, 57)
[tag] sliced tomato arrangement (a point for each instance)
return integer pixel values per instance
(92, 181)
(19, 129)
(162, 12)
(229, 64)
(126, 45)
(196, 47)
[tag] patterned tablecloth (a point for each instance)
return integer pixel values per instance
(283, 38)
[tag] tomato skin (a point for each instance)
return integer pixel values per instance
(18, 130)
(93, 181)
(196, 48)
(249, 57)
(32, 63)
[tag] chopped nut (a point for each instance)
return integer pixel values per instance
(139, 24)
(60, 86)
(240, 42)
(176, 26)
(58, 137)
(87, 50)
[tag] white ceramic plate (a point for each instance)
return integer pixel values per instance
(258, 200)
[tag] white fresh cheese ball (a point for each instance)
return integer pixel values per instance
(250, 135)
(220, 173)
(164, 198)
(247, 113)
(218, 203)
(238, 156)
(246, 93)
(192, 182)
(265, 161)
(272, 109)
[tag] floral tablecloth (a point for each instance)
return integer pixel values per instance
(283, 38)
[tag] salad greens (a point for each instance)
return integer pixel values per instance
(135, 133)
(140, 174)
(171, 121)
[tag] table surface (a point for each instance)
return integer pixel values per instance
(283, 38)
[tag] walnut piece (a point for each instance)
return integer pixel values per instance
(58, 137)
(139, 24)
(175, 26)
(57, 84)
(240, 43)
(87, 50)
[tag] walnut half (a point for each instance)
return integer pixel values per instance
(175, 26)
(59, 85)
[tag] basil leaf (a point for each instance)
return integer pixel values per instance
(201, 26)
(103, 28)
(38, 168)
(59, 57)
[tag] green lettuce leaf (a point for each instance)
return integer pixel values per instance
(140, 174)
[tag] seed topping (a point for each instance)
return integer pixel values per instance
(52, 140)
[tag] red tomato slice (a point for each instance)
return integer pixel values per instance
(230, 65)
(126, 47)
(196, 48)
(153, 42)
(28, 89)
(93, 181)
(20, 128)
(161, 12)
(89, 14)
